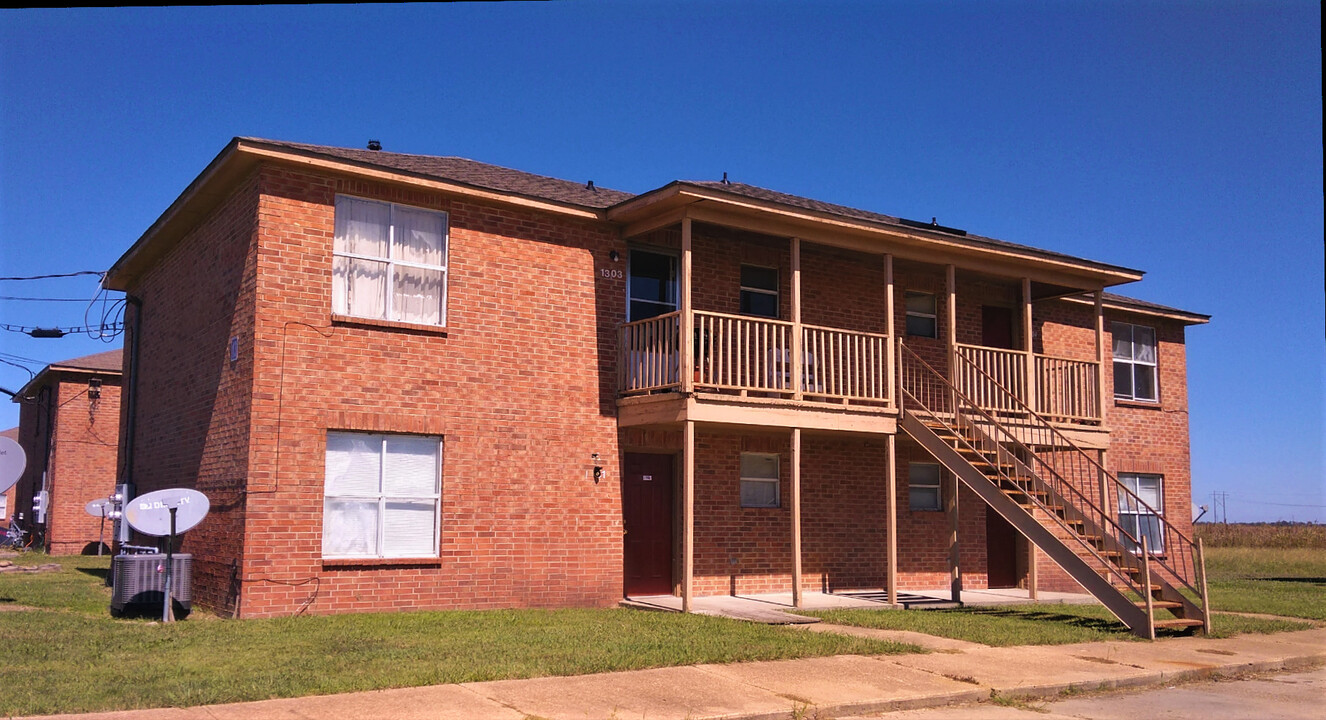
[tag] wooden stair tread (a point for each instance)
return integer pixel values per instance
(1179, 623)
(1160, 604)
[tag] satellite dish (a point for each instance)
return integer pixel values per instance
(12, 463)
(150, 514)
(98, 508)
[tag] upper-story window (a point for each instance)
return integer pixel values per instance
(759, 291)
(390, 262)
(922, 317)
(1134, 362)
(651, 286)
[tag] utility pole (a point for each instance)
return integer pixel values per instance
(1218, 501)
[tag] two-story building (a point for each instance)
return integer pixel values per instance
(69, 428)
(412, 382)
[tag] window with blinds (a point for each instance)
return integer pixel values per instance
(382, 496)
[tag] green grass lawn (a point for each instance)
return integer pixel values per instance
(1037, 624)
(68, 655)
(1276, 581)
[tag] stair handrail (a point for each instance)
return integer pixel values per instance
(1167, 527)
(1112, 567)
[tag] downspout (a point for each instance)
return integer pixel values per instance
(130, 412)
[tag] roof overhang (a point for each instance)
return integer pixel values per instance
(1055, 274)
(241, 156)
(48, 372)
(1119, 303)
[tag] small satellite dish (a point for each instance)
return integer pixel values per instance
(12, 463)
(150, 514)
(98, 508)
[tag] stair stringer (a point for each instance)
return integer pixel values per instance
(1110, 543)
(1099, 586)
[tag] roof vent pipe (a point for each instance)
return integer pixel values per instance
(374, 145)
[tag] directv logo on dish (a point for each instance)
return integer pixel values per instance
(159, 505)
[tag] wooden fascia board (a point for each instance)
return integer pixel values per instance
(214, 184)
(654, 222)
(50, 375)
(398, 177)
(903, 245)
(1177, 315)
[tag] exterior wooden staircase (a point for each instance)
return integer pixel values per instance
(1033, 476)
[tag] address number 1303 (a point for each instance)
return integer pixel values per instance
(611, 274)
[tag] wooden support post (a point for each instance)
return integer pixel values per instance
(1104, 487)
(688, 516)
(1033, 574)
(796, 517)
(1146, 589)
(1206, 602)
(891, 442)
(798, 354)
(1102, 361)
(1032, 375)
(951, 320)
(686, 346)
(954, 566)
(893, 350)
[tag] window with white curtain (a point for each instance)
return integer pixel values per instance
(759, 480)
(382, 496)
(1141, 509)
(390, 262)
(1134, 362)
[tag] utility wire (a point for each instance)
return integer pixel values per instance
(39, 299)
(56, 275)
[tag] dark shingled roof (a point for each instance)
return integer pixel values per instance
(759, 193)
(109, 361)
(468, 172)
(1144, 305)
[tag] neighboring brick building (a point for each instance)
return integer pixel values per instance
(423, 382)
(69, 426)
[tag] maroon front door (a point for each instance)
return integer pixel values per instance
(997, 327)
(1001, 551)
(647, 516)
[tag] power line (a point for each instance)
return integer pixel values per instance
(39, 299)
(56, 275)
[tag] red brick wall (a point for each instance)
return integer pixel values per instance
(193, 403)
(521, 386)
(83, 454)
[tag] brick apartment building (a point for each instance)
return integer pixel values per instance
(69, 427)
(411, 382)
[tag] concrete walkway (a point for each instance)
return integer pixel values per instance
(831, 686)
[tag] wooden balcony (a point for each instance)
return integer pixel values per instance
(1061, 390)
(755, 363)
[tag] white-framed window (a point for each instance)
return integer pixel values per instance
(382, 496)
(922, 316)
(759, 291)
(1136, 518)
(759, 480)
(923, 486)
(1134, 362)
(390, 262)
(651, 284)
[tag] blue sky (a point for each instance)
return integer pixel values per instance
(1184, 139)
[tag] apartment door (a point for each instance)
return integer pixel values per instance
(647, 517)
(997, 327)
(1001, 551)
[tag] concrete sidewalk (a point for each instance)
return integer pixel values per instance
(831, 686)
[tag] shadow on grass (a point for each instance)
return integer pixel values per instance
(1308, 580)
(1104, 625)
(99, 573)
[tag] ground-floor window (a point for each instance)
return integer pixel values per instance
(759, 480)
(382, 496)
(923, 486)
(1137, 518)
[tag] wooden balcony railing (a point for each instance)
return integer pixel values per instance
(1065, 390)
(739, 354)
